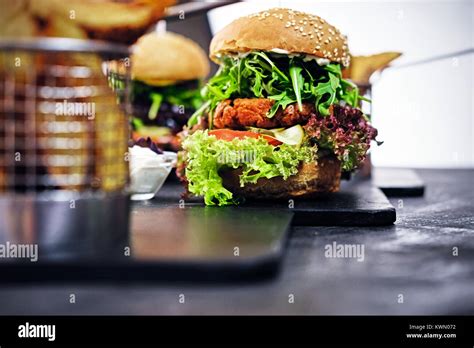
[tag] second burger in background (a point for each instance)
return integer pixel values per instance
(167, 73)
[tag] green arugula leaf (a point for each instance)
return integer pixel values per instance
(193, 120)
(137, 123)
(326, 94)
(297, 81)
(283, 79)
(274, 68)
(281, 100)
(156, 99)
(335, 69)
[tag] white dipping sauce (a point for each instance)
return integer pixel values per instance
(148, 171)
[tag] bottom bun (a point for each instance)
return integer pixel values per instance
(311, 179)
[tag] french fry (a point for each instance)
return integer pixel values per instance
(362, 67)
(107, 20)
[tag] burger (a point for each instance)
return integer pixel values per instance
(167, 72)
(278, 121)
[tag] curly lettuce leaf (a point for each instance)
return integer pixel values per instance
(206, 156)
(345, 132)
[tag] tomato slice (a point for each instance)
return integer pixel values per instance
(230, 134)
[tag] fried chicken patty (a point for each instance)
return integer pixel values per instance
(240, 113)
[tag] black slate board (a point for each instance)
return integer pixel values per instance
(398, 182)
(174, 244)
(172, 239)
(358, 203)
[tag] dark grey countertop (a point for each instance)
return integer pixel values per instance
(412, 259)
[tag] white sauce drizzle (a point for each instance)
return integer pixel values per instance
(279, 51)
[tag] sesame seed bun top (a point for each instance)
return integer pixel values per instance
(281, 30)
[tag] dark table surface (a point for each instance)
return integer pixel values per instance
(411, 261)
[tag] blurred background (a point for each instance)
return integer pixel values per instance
(423, 104)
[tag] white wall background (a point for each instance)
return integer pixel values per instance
(424, 112)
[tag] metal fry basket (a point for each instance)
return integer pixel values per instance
(63, 145)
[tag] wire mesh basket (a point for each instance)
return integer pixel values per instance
(60, 126)
(63, 139)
